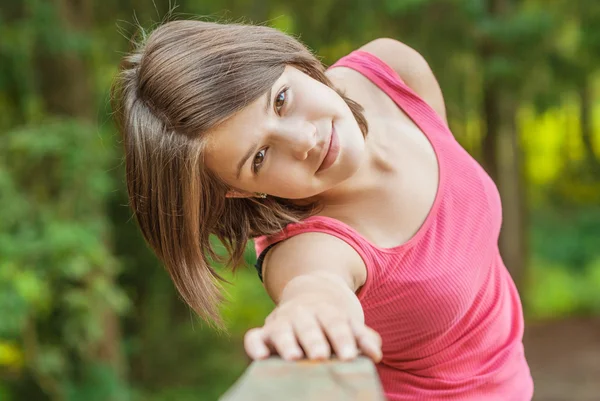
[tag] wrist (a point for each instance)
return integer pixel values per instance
(323, 289)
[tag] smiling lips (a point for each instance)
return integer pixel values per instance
(332, 151)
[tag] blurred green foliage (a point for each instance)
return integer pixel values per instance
(87, 312)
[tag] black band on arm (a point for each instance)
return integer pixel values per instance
(260, 260)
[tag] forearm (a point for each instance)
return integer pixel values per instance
(324, 288)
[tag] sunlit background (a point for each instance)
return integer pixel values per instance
(86, 311)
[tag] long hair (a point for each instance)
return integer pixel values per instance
(182, 80)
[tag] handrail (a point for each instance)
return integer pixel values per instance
(276, 379)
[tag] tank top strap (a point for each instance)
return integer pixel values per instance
(388, 80)
(320, 224)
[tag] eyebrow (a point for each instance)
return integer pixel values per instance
(268, 105)
(254, 145)
(245, 159)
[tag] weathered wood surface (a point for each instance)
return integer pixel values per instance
(276, 379)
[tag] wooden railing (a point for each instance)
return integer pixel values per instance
(275, 379)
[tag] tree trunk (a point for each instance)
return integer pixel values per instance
(489, 140)
(503, 158)
(513, 236)
(16, 90)
(66, 90)
(585, 123)
(63, 74)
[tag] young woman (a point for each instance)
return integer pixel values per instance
(376, 232)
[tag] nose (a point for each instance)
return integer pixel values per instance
(299, 135)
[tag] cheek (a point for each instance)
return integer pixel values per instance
(333, 102)
(321, 99)
(292, 181)
(286, 177)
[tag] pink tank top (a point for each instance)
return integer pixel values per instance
(444, 303)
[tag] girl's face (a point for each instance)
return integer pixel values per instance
(297, 141)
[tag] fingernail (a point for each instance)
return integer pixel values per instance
(348, 352)
(319, 352)
(293, 354)
(260, 354)
(372, 346)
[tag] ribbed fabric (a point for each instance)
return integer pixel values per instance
(444, 303)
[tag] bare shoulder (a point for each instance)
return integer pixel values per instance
(312, 253)
(412, 67)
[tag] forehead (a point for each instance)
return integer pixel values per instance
(230, 140)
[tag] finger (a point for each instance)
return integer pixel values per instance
(311, 336)
(284, 340)
(340, 335)
(255, 345)
(369, 341)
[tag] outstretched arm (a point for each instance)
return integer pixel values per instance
(313, 278)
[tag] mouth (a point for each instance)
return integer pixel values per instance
(333, 149)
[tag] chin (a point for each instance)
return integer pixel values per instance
(352, 157)
(340, 173)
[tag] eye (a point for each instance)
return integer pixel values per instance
(280, 99)
(259, 158)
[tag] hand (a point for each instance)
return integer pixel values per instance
(298, 329)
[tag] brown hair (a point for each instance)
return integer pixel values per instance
(188, 77)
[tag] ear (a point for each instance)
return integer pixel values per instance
(232, 193)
